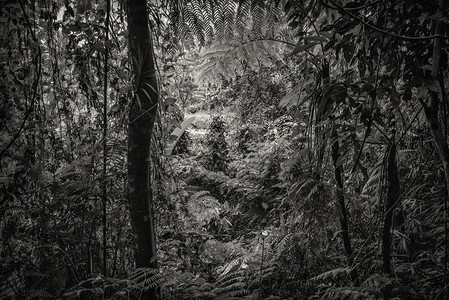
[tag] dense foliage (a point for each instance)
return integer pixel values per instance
(300, 150)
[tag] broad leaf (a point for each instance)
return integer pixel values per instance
(176, 135)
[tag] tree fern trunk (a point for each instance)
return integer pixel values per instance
(141, 122)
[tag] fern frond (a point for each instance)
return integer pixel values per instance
(235, 289)
(376, 282)
(332, 274)
(258, 12)
(233, 264)
(229, 276)
(274, 15)
(268, 272)
(140, 274)
(242, 17)
(345, 293)
(178, 23)
(199, 195)
(193, 17)
(232, 284)
(284, 242)
(143, 279)
(208, 15)
(229, 8)
(218, 20)
(238, 293)
(227, 60)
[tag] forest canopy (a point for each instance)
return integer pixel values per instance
(215, 149)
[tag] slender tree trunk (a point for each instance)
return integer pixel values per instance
(105, 140)
(141, 122)
(391, 202)
(338, 174)
(432, 113)
(117, 245)
(432, 110)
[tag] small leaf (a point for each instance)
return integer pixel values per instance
(176, 134)
(150, 86)
(138, 101)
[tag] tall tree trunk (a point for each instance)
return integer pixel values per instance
(141, 122)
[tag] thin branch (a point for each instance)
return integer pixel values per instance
(272, 40)
(403, 37)
(28, 21)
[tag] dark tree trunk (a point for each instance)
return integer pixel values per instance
(338, 174)
(432, 112)
(141, 122)
(391, 202)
